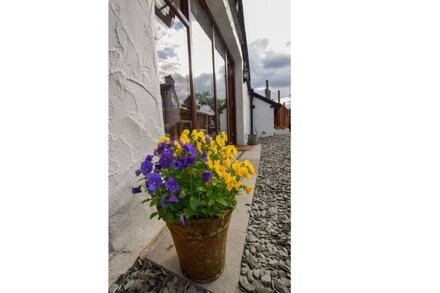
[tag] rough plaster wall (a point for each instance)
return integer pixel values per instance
(263, 118)
(135, 123)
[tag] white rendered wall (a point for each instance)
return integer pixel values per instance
(263, 118)
(135, 124)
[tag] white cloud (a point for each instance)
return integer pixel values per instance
(272, 65)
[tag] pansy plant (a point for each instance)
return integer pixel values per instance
(194, 176)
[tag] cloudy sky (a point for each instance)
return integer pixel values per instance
(268, 35)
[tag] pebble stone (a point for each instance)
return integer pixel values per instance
(144, 276)
(268, 236)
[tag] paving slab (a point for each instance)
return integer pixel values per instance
(164, 253)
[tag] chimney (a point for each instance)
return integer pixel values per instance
(169, 80)
(279, 97)
(266, 91)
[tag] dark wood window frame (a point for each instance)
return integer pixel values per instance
(183, 15)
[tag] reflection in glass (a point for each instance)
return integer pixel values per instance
(172, 52)
(202, 67)
(220, 75)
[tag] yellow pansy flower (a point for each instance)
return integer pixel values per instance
(195, 134)
(251, 169)
(229, 184)
(235, 167)
(164, 139)
(214, 148)
(224, 135)
(202, 138)
(219, 140)
(219, 170)
(226, 163)
(184, 137)
(248, 189)
(242, 171)
(237, 185)
(249, 166)
(210, 164)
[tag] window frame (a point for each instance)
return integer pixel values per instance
(183, 15)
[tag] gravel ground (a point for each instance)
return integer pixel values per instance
(265, 266)
(144, 276)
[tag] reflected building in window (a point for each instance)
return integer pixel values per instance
(173, 63)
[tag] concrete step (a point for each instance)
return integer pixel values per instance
(163, 252)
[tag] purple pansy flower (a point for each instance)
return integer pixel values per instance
(146, 167)
(138, 172)
(206, 176)
(179, 164)
(182, 220)
(135, 190)
(189, 161)
(161, 148)
(190, 149)
(166, 159)
(164, 201)
(208, 140)
(150, 157)
(153, 182)
(173, 199)
(204, 158)
(172, 184)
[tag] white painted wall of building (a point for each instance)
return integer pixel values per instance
(135, 124)
(263, 118)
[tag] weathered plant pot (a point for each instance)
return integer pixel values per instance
(201, 247)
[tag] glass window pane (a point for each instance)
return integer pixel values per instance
(202, 67)
(220, 75)
(172, 51)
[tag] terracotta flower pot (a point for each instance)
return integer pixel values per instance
(201, 247)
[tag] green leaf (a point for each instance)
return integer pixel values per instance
(161, 213)
(222, 201)
(169, 218)
(153, 215)
(187, 213)
(201, 188)
(193, 203)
